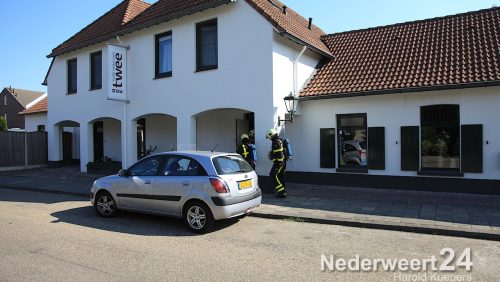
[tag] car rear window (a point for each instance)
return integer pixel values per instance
(362, 144)
(231, 165)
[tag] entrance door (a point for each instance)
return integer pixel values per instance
(98, 141)
(141, 138)
(67, 148)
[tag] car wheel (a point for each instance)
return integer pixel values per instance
(105, 205)
(198, 217)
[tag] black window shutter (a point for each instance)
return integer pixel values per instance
(327, 147)
(376, 148)
(472, 148)
(410, 148)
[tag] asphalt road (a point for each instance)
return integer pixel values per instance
(48, 237)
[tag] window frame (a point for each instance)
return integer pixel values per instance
(69, 76)
(199, 26)
(159, 74)
(93, 85)
(160, 165)
(438, 170)
(200, 172)
(349, 168)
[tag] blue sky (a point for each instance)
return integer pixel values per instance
(30, 29)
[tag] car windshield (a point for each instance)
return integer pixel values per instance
(231, 165)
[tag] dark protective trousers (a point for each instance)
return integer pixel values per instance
(277, 175)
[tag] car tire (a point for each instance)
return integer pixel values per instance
(105, 205)
(198, 217)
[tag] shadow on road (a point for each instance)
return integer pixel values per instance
(35, 196)
(130, 223)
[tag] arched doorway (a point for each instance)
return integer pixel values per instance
(155, 133)
(69, 142)
(220, 129)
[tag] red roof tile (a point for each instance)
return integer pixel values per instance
(133, 15)
(40, 107)
(130, 16)
(454, 51)
(103, 28)
(288, 22)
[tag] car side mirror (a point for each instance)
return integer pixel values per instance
(123, 173)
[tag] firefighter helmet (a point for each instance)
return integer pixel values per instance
(270, 133)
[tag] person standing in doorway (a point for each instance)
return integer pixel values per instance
(277, 156)
(246, 150)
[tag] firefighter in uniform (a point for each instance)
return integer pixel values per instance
(277, 155)
(246, 150)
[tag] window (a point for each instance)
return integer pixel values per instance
(96, 70)
(5, 100)
(352, 141)
(72, 76)
(41, 127)
(163, 65)
(182, 166)
(146, 167)
(440, 137)
(206, 45)
(231, 165)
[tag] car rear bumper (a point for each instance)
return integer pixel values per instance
(232, 207)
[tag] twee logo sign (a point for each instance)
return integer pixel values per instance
(117, 66)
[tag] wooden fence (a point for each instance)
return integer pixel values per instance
(23, 149)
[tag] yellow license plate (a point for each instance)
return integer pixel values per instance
(245, 184)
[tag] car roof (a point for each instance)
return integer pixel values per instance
(195, 154)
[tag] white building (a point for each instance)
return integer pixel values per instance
(200, 73)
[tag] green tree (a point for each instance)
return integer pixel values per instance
(3, 124)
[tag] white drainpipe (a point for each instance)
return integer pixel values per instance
(295, 71)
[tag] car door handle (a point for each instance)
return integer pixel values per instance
(147, 181)
(185, 183)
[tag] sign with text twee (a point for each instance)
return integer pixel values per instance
(117, 72)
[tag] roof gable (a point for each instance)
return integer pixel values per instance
(24, 97)
(133, 15)
(453, 51)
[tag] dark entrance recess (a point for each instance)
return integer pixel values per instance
(251, 120)
(67, 148)
(327, 147)
(141, 138)
(98, 141)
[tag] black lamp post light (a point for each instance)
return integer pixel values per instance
(291, 105)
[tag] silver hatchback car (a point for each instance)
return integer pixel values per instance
(199, 187)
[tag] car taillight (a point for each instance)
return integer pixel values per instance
(219, 185)
(362, 153)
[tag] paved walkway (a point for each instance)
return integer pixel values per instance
(475, 216)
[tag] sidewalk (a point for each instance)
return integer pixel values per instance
(453, 214)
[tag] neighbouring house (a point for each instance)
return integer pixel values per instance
(35, 117)
(13, 101)
(407, 105)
